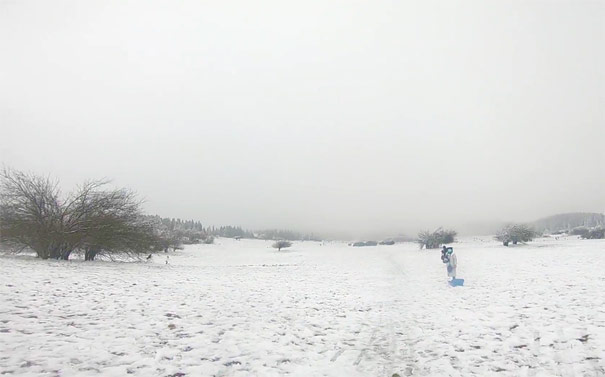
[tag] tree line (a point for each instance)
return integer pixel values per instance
(567, 222)
(94, 220)
(284, 234)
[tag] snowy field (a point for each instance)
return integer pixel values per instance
(240, 308)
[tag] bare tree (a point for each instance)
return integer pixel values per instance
(111, 222)
(29, 212)
(33, 215)
(281, 245)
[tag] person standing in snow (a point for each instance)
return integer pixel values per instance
(451, 261)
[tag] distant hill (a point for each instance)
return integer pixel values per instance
(568, 221)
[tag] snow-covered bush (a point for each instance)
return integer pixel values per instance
(516, 233)
(432, 240)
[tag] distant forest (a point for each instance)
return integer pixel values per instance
(195, 231)
(191, 231)
(569, 221)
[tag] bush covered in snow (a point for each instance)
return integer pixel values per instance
(432, 240)
(516, 233)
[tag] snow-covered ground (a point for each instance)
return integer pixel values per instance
(240, 308)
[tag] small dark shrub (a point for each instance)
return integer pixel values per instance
(281, 245)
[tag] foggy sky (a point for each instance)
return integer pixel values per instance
(326, 116)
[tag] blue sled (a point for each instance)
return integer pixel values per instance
(456, 282)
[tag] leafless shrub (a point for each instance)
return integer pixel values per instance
(281, 245)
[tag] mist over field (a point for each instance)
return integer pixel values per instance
(346, 119)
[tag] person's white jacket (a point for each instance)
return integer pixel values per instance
(451, 266)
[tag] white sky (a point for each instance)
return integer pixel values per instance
(358, 116)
